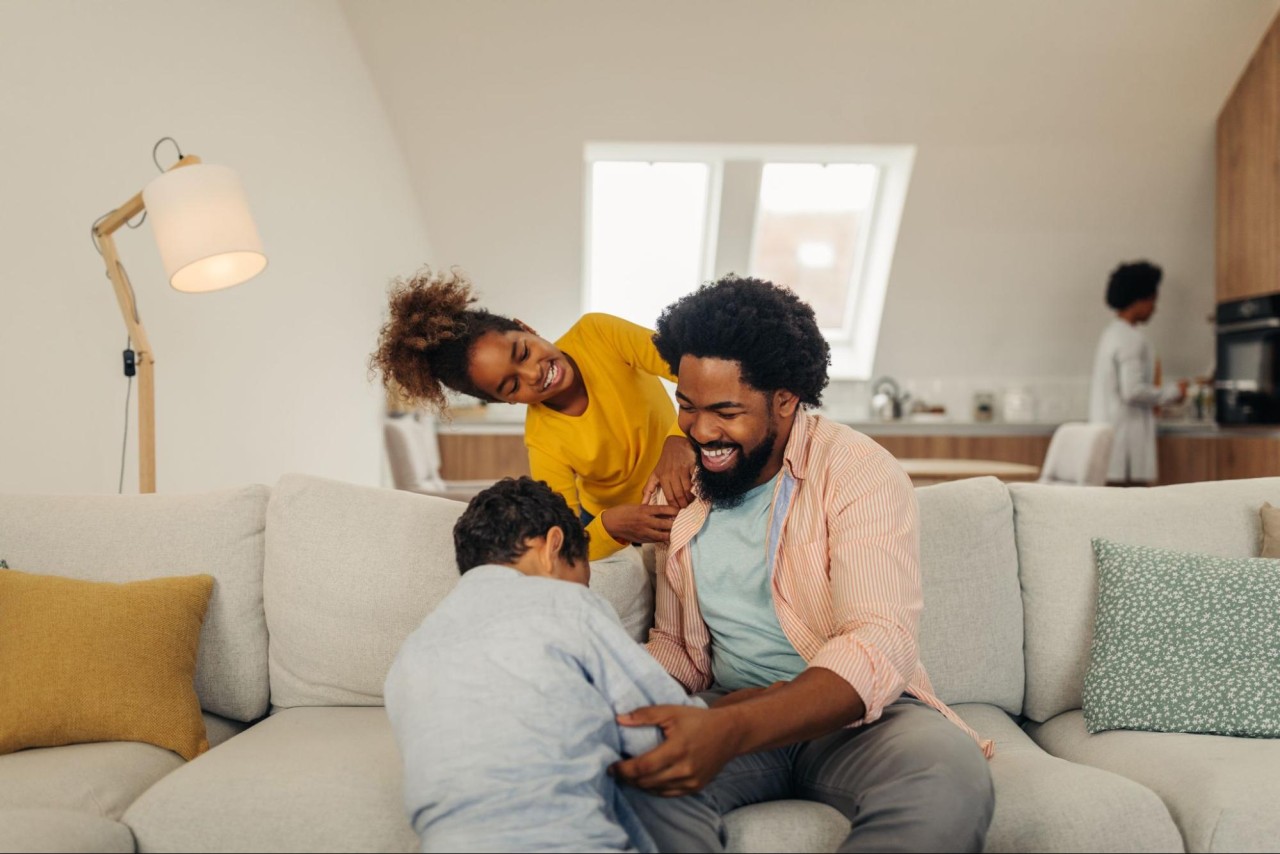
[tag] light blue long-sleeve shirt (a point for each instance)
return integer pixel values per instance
(503, 704)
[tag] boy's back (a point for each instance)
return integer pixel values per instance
(506, 696)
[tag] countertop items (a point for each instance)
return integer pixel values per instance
(509, 421)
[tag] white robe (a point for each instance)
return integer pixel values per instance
(1123, 395)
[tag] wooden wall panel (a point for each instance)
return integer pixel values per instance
(1247, 235)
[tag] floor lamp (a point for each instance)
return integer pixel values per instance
(207, 241)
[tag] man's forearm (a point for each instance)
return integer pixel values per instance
(815, 703)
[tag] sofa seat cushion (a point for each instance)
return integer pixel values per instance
(54, 830)
(1221, 791)
(784, 827)
(100, 779)
(1044, 803)
(305, 779)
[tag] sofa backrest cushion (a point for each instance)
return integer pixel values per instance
(136, 537)
(1054, 527)
(350, 572)
(971, 629)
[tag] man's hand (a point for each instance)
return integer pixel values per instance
(673, 474)
(639, 523)
(698, 743)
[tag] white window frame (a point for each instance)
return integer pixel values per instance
(853, 348)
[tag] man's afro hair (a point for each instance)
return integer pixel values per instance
(769, 331)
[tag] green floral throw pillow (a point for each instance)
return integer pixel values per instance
(1184, 643)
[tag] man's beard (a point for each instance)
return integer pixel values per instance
(726, 489)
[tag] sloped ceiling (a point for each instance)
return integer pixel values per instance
(1056, 139)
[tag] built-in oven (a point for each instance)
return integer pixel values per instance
(1248, 363)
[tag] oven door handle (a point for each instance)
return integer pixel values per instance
(1250, 326)
(1237, 385)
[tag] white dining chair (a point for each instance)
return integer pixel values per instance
(1078, 455)
(413, 452)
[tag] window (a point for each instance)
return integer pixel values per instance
(823, 221)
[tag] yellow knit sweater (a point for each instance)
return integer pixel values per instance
(603, 457)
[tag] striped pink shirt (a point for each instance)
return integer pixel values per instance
(846, 580)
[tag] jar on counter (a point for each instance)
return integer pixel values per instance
(984, 406)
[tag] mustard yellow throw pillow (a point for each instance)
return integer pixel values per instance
(97, 661)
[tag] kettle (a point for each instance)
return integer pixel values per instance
(887, 399)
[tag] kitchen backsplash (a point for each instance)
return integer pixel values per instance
(1029, 399)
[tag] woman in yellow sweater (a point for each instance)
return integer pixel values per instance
(599, 421)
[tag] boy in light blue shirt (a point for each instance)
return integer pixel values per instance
(504, 701)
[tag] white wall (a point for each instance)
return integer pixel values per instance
(1056, 139)
(263, 379)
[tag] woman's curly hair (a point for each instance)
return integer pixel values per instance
(426, 344)
(769, 331)
(1131, 282)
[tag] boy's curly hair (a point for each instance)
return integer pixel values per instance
(425, 345)
(499, 522)
(769, 331)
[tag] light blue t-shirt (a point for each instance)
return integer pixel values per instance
(734, 578)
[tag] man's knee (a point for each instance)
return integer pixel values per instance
(949, 778)
(913, 779)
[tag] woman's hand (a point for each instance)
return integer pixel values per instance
(674, 473)
(639, 523)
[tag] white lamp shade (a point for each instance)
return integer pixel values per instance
(202, 224)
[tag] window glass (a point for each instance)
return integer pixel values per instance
(648, 235)
(810, 233)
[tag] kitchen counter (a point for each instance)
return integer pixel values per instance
(502, 420)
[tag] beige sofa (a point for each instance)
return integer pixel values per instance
(318, 582)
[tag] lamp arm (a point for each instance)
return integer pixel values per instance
(137, 332)
(134, 206)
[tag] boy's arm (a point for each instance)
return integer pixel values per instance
(625, 675)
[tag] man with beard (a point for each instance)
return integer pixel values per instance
(801, 628)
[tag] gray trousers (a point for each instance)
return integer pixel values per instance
(911, 781)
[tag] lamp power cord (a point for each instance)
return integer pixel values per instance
(130, 358)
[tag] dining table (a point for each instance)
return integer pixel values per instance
(927, 470)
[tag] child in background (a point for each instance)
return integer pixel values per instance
(599, 421)
(504, 700)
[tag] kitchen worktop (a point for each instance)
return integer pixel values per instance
(505, 420)
(500, 420)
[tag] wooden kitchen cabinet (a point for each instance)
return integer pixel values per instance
(1183, 459)
(1248, 456)
(1029, 450)
(1189, 459)
(1247, 240)
(469, 456)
